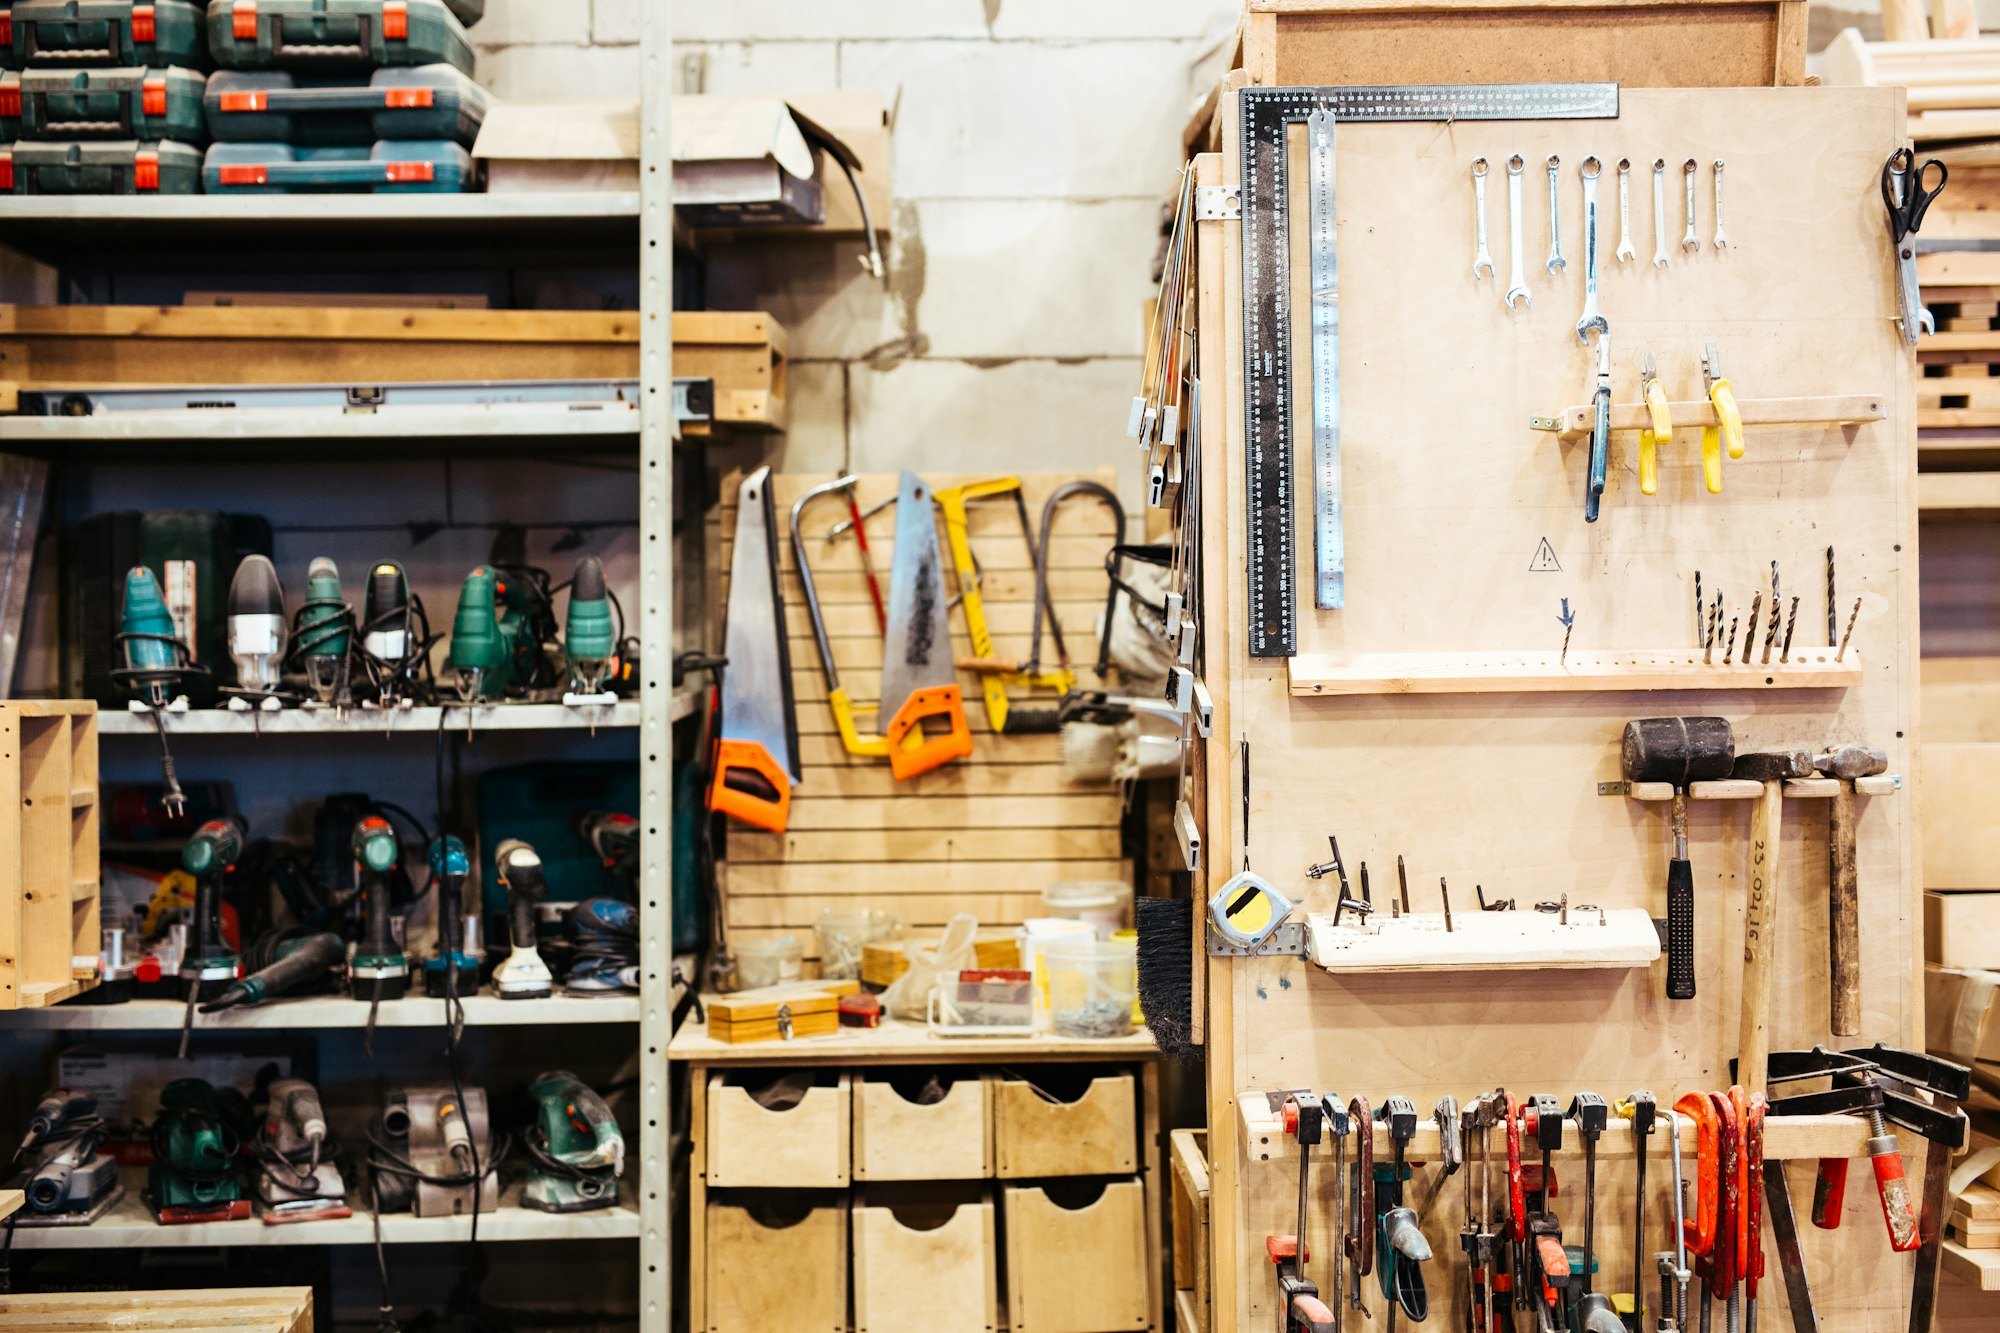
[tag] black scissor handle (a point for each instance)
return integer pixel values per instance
(1920, 192)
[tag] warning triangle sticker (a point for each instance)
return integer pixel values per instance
(1545, 561)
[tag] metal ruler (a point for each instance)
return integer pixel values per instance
(1267, 370)
(694, 398)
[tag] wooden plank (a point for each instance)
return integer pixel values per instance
(900, 1043)
(1958, 491)
(1959, 268)
(927, 844)
(953, 813)
(1961, 698)
(1321, 675)
(852, 878)
(1961, 839)
(799, 909)
(240, 1310)
(1825, 409)
(1978, 1269)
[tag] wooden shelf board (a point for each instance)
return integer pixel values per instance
(1947, 491)
(898, 1042)
(623, 715)
(1530, 940)
(1576, 421)
(1978, 1269)
(1319, 675)
(1740, 789)
(41, 999)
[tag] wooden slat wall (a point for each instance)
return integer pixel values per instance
(983, 835)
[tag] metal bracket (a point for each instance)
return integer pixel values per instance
(1218, 203)
(1288, 939)
(1614, 789)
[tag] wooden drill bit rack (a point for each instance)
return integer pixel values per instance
(1322, 675)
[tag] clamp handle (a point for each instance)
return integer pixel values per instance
(1659, 429)
(1723, 395)
(1829, 1193)
(1711, 459)
(1700, 1231)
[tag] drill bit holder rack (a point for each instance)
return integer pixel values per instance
(1525, 938)
(1322, 675)
(1574, 423)
(1737, 789)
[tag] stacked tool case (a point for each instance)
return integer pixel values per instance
(341, 96)
(107, 99)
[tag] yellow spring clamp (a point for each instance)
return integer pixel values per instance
(1722, 396)
(1659, 428)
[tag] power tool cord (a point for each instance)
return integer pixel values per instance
(298, 1169)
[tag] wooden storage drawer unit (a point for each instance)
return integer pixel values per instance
(1076, 1270)
(1090, 1135)
(48, 851)
(925, 1268)
(770, 1270)
(802, 1147)
(895, 1138)
(1190, 1222)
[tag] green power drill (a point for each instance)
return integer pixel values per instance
(487, 637)
(589, 642)
(577, 1150)
(196, 1142)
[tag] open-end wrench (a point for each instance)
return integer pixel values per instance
(1689, 241)
(1517, 286)
(1626, 254)
(1555, 264)
(1591, 321)
(1484, 258)
(1659, 212)
(1721, 239)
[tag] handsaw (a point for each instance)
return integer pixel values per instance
(757, 738)
(921, 697)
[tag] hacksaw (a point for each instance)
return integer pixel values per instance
(1267, 370)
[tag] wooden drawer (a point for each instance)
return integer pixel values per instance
(897, 1139)
(1076, 1270)
(925, 1268)
(1190, 1222)
(802, 1147)
(747, 1249)
(1092, 1135)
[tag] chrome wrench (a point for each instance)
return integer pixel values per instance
(1592, 321)
(1689, 241)
(1721, 240)
(1626, 254)
(1659, 212)
(1517, 287)
(1555, 264)
(1484, 258)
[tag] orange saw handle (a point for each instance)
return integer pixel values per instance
(917, 744)
(750, 785)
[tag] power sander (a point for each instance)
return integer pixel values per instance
(590, 644)
(295, 1176)
(455, 968)
(378, 970)
(196, 1139)
(576, 1147)
(67, 1181)
(524, 976)
(431, 1156)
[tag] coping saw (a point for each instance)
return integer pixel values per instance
(851, 739)
(757, 738)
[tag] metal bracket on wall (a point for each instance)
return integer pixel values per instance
(1218, 203)
(1288, 939)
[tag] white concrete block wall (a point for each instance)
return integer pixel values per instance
(1035, 141)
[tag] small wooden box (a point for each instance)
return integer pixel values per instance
(761, 1277)
(1190, 1221)
(804, 1147)
(926, 1278)
(896, 1139)
(48, 851)
(1095, 1135)
(884, 961)
(1080, 1270)
(754, 1016)
(745, 354)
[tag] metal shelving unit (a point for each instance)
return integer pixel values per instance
(465, 425)
(331, 1011)
(621, 716)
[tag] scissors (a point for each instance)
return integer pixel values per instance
(1907, 193)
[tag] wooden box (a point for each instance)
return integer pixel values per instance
(744, 354)
(925, 1268)
(240, 1309)
(763, 1276)
(1190, 1224)
(1961, 836)
(1076, 1270)
(1635, 43)
(757, 1016)
(1094, 1135)
(48, 851)
(804, 1147)
(1962, 930)
(897, 1139)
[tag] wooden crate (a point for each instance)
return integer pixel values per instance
(1076, 1270)
(804, 1147)
(896, 1139)
(238, 1309)
(761, 1277)
(48, 851)
(1962, 930)
(1091, 1136)
(1189, 1153)
(925, 1268)
(1635, 43)
(983, 835)
(48, 347)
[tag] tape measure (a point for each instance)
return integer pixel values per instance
(1247, 910)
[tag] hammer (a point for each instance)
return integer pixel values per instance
(1679, 750)
(1760, 907)
(1843, 880)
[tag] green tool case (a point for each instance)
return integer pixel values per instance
(76, 33)
(335, 34)
(134, 103)
(393, 166)
(100, 166)
(344, 110)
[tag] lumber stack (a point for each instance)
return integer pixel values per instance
(1953, 90)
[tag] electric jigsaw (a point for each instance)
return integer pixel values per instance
(257, 635)
(590, 645)
(491, 642)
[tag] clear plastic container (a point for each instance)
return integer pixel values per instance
(1106, 904)
(1038, 931)
(842, 935)
(1092, 986)
(769, 962)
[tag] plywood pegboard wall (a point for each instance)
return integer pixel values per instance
(1450, 500)
(983, 835)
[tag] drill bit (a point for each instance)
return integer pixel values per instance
(1444, 892)
(1708, 639)
(1730, 653)
(1852, 616)
(1568, 619)
(1830, 621)
(1700, 611)
(1771, 633)
(1750, 626)
(1402, 883)
(1791, 618)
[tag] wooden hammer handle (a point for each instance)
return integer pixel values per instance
(1843, 913)
(1760, 923)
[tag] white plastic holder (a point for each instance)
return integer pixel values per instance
(1617, 937)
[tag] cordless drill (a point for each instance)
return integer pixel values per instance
(454, 971)
(210, 964)
(378, 970)
(524, 976)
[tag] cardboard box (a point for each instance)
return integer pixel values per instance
(746, 161)
(128, 1078)
(546, 147)
(1962, 929)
